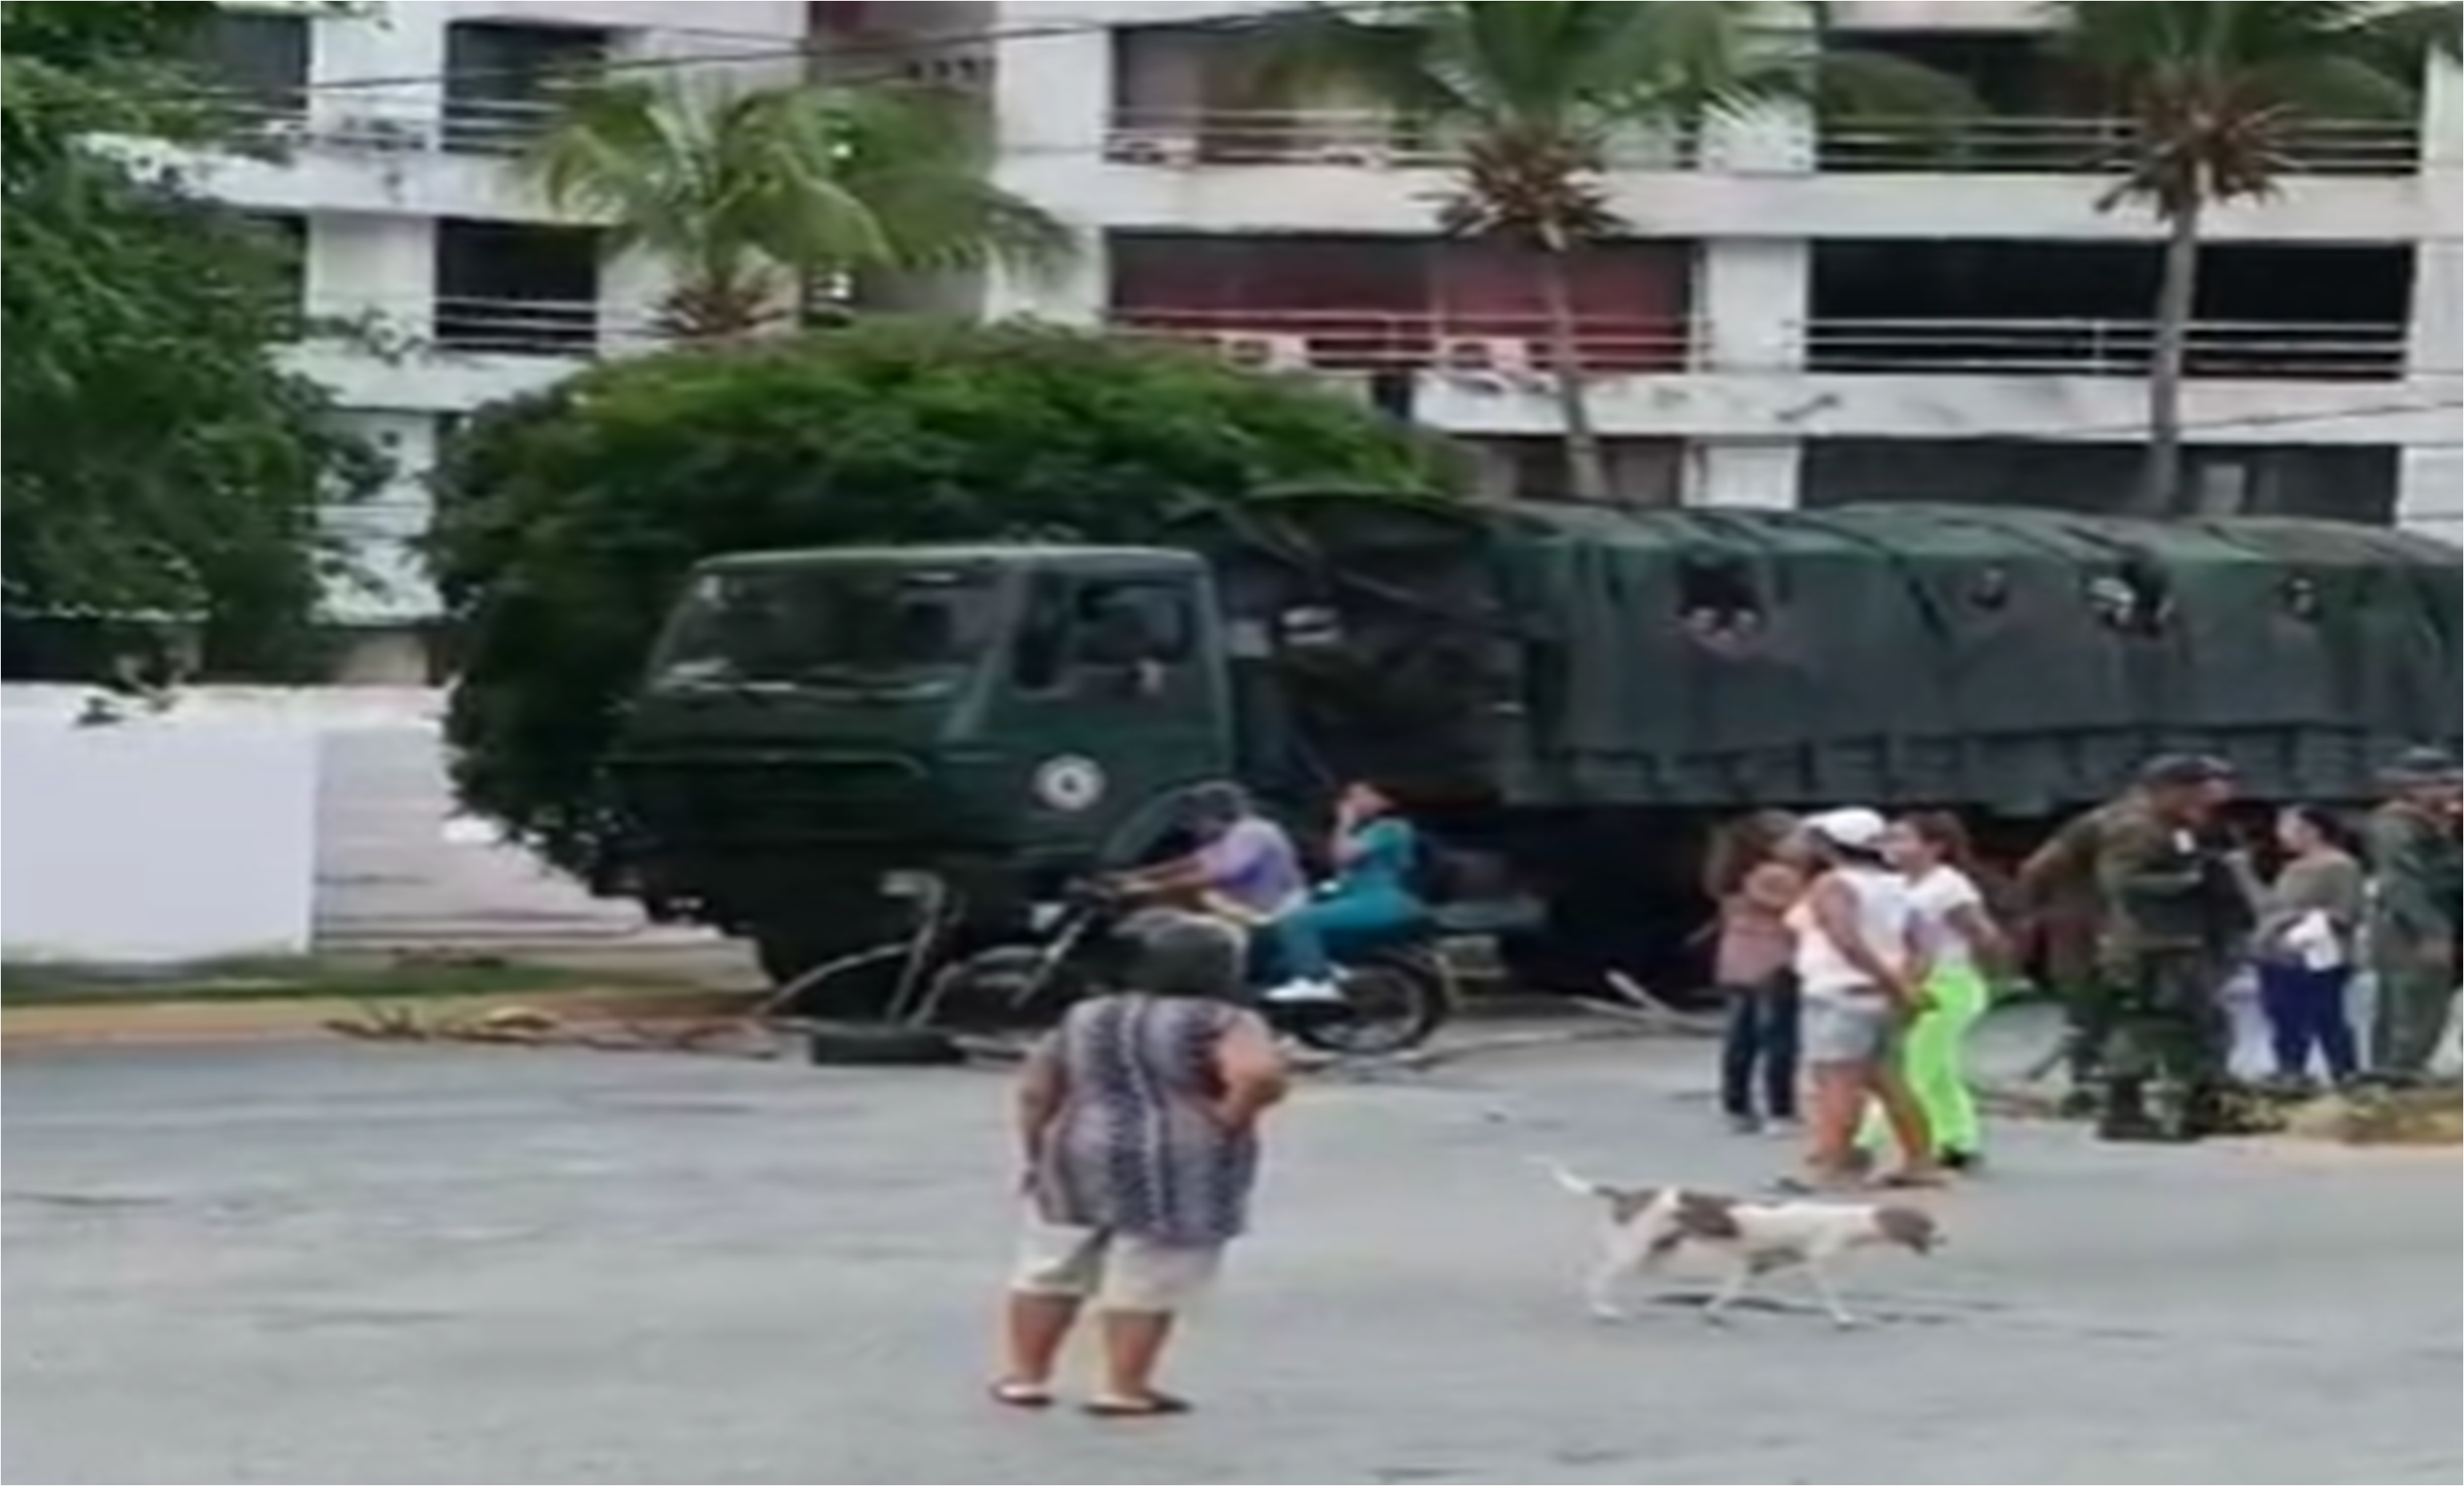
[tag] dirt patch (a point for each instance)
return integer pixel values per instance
(2432, 1117)
(476, 1018)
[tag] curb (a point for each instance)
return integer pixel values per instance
(203, 1022)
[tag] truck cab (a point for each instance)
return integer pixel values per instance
(816, 732)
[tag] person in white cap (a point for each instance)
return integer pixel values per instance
(1861, 968)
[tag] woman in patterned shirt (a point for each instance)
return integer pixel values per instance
(1137, 1122)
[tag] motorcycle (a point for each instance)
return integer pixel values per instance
(1395, 997)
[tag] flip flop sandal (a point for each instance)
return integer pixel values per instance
(1912, 1181)
(1153, 1406)
(1014, 1394)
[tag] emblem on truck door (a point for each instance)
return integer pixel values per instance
(1070, 784)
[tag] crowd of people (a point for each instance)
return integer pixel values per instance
(2137, 915)
(1855, 954)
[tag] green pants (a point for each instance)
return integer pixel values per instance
(2411, 1015)
(1933, 1060)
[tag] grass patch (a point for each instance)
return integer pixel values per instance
(389, 978)
(2432, 1117)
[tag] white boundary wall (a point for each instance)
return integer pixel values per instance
(261, 820)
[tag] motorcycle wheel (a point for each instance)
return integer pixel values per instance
(1393, 1004)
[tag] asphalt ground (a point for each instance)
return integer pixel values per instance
(340, 1264)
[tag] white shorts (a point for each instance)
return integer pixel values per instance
(1849, 1030)
(1114, 1272)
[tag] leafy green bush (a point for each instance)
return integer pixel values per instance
(566, 520)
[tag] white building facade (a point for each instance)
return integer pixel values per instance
(400, 125)
(1797, 320)
(1829, 318)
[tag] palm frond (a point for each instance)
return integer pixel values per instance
(2220, 97)
(747, 191)
(920, 158)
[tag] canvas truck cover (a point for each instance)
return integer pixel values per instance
(1895, 653)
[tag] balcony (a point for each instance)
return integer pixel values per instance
(2222, 350)
(1492, 377)
(449, 355)
(375, 154)
(1355, 139)
(1506, 348)
(2078, 146)
(1361, 171)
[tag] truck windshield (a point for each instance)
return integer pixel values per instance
(825, 627)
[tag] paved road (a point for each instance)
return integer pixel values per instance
(367, 1265)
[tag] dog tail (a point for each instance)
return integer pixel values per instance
(1569, 1178)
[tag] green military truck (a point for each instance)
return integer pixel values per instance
(1575, 693)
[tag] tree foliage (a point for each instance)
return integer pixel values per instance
(160, 458)
(567, 519)
(747, 194)
(2218, 101)
(1540, 94)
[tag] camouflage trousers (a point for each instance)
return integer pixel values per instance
(2414, 1001)
(2170, 1036)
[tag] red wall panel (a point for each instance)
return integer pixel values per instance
(1381, 301)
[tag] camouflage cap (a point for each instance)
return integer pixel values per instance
(2419, 766)
(2183, 770)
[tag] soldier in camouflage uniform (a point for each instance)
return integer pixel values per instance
(2173, 909)
(2057, 888)
(2419, 878)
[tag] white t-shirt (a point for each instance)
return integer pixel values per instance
(1885, 911)
(1939, 896)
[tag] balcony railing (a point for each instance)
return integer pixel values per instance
(2062, 146)
(517, 327)
(1502, 346)
(1363, 138)
(1508, 347)
(1377, 140)
(381, 127)
(2222, 349)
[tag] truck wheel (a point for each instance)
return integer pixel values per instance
(880, 1044)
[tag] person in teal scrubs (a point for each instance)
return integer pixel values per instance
(1370, 901)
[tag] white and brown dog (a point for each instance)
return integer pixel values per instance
(1647, 1226)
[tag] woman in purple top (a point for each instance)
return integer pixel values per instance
(1246, 869)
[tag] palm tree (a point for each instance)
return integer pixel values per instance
(1538, 91)
(749, 194)
(2215, 100)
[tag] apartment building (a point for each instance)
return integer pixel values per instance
(1803, 317)
(398, 127)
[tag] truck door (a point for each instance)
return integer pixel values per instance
(1117, 698)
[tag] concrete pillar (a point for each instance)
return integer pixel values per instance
(1052, 97)
(1751, 311)
(2429, 495)
(1753, 474)
(393, 56)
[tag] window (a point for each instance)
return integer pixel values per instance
(826, 627)
(500, 76)
(1124, 622)
(260, 60)
(285, 235)
(516, 289)
(1099, 625)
